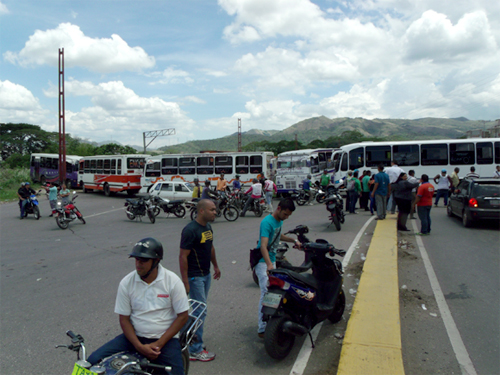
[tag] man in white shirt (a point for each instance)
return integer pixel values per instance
(152, 305)
(256, 190)
(393, 172)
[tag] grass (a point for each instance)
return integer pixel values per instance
(10, 182)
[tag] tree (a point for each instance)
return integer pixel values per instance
(17, 161)
(24, 139)
(114, 149)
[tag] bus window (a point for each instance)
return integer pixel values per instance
(93, 164)
(205, 165)
(462, 153)
(87, 166)
(69, 167)
(113, 166)
(187, 165)
(54, 164)
(107, 166)
(169, 166)
(100, 162)
(336, 161)
(135, 163)
(408, 155)
(436, 154)
(329, 161)
(376, 155)
(223, 164)
(241, 164)
(314, 164)
(119, 166)
(484, 152)
(356, 158)
(256, 164)
(497, 153)
(153, 169)
(343, 165)
(81, 169)
(32, 161)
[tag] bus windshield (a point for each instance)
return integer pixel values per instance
(289, 162)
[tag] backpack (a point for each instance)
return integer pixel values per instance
(351, 185)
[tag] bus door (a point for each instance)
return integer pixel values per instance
(35, 166)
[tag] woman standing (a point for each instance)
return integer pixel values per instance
(402, 194)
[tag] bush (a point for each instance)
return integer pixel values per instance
(10, 182)
(17, 161)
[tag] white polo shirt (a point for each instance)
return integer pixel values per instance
(152, 307)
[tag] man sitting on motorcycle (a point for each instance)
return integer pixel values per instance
(152, 305)
(256, 190)
(24, 194)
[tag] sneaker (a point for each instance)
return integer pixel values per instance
(310, 204)
(202, 356)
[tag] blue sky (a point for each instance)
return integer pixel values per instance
(198, 66)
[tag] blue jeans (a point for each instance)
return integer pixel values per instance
(424, 214)
(261, 272)
(269, 200)
(23, 204)
(170, 354)
(442, 193)
(353, 198)
(198, 290)
(381, 202)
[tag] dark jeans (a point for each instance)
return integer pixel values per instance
(424, 214)
(363, 201)
(248, 204)
(353, 198)
(441, 193)
(170, 354)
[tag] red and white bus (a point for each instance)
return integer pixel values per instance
(112, 173)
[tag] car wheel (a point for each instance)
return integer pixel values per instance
(449, 211)
(466, 220)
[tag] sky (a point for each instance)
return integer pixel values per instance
(200, 65)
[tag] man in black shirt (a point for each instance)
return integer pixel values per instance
(24, 193)
(197, 251)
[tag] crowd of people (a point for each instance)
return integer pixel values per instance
(52, 189)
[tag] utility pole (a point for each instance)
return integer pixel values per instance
(156, 133)
(62, 123)
(239, 135)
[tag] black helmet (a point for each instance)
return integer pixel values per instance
(147, 248)
(207, 183)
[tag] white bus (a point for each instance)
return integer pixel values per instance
(429, 157)
(112, 173)
(207, 166)
(294, 166)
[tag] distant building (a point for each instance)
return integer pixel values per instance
(493, 132)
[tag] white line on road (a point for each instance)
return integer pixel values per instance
(461, 353)
(105, 212)
(305, 352)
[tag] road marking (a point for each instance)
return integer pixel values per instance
(466, 365)
(305, 352)
(105, 212)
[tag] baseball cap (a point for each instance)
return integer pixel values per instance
(443, 170)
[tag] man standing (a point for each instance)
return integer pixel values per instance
(354, 193)
(152, 306)
(365, 190)
(455, 180)
(221, 184)
(325, 181)
(236, 183)
(269, 189)
(306, 185)
(197, 251)
(269, 238)
(381, 190)
(52, 190)
(393, 172)
(423, 202)
(412, 179)
(443, 182)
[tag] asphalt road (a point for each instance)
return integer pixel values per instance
(53, 280)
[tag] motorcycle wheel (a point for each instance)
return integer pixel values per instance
(82, 220)
(342, 216)
(320, 198)
(338, 310)
(61, 223)
(180, 211)
(302, 199)
(231, 213)
(185, 360)
(255, 278)
(194, 214)
(258, 211)
(36, 212)
(130, 215)
(278, 344)
(156, 210)
(336, 221)
(151, 216)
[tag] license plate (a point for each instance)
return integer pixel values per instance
(79, 370)
(495, 203)
(272, 300)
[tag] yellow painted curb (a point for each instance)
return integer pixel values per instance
(372, 343)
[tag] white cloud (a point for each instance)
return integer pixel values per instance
(102, 55)
(172, 75)
(3, 8)
(18, 105)
(194, 99)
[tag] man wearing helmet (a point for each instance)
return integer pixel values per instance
(152, 307)
(24, 193)
(196, 253)
(197, 189)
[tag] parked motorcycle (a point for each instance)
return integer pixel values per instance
(335, 205)
(229, 211)
(31, 206)
(301, 197)
(296, 302)
(175, 207)
(128, 363)
(67, 213)
(321, 195)
(139, 207)
(282, 262)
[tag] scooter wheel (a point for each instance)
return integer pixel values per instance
(278, 343)
(338, 310)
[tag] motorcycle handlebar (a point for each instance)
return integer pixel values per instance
(71, 334)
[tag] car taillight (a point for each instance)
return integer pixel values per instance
(473, 202)
(274, 281)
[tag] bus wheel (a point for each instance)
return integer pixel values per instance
(85, 190)
(107, 190)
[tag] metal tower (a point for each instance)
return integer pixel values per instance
(239, 135)
(62, 123)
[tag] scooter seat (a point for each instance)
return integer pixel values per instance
(305, 278)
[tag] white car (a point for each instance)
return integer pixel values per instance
(172, 190)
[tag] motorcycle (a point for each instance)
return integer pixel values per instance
(128, 363)
(282, 262)
(301, 197)
(175, 207)
(321, 195)
(334, 204)
(257, 207)
(31, 206)
(296, 302)
(229, 211)
(139, 207)
(67, 213)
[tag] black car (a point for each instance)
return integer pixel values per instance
(476, 199)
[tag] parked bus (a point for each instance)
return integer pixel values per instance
(45, 168)
(207, 166)
(294, 166)
(112, 173)
(428, 157)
